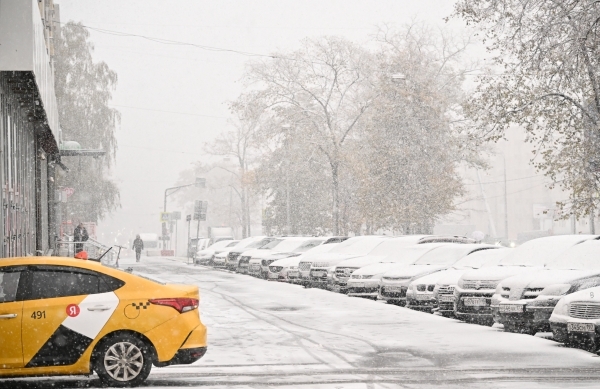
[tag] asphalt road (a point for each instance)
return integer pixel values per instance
(269, 334)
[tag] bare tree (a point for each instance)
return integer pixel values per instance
(328, 83)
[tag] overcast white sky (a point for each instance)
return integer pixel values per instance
(172, 98)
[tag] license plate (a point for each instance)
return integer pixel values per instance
(581, 327)
(448, 298)
(475, 301)
(292, 273)
(511, 308)
(358, 285)
(393, 289)
(422, 297)
(318, 274)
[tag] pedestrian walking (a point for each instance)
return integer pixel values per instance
(138, 246)
(80, 235)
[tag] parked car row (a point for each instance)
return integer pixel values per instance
(546, 284)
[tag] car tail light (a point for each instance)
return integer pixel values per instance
(180, 304)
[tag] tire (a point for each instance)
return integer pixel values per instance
(138, 361)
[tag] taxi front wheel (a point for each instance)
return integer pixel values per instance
(123, 361)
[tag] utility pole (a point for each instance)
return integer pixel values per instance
(288, 227)
(505, 202)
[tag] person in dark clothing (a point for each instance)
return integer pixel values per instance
(138, 246)
(80, 235)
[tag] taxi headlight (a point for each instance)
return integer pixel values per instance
(562, 308)
(556, 290)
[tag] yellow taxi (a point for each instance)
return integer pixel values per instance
(66, 316)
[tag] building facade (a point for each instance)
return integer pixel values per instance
(29, 128)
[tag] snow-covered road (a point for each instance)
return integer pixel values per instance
(273, 334)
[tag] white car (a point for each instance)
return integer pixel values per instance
(396, 280)
(575, 320)
(424, 296)
(314, 269)
(281, 248)
(475, 288)
(287, 269)
(525, 302)
(344, 269)
(448, 279)
(207, 255)
(223, 259)
(365, 281)
(240, 258)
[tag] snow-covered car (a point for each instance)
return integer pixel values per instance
(575, 320)
(398, 278)
(448, 279)
(315, 268)
(365, 281)
(222, 259)
(422, 293)
(206, 256)
(525, 302)
(288, 267)
(475, 288)
(344, 269)
(258, 265)
(242, 257)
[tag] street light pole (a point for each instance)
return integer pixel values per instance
(200, 183)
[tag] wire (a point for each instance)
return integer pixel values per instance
(179, 43)
(502, 195)
(495, 182)
(162, 110)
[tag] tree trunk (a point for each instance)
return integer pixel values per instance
(244, 215)
(336, 197)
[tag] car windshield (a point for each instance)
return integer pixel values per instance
(539, 251)
(444, 256)
(272, 244)
(260, 244)
(287, 245)
(221, 244)
(477, 259)
(233, 243)
(392, 246)
(409, 254)
(359, 246)
(307, 245)
(583, 256)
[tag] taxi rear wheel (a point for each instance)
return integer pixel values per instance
(123, 361)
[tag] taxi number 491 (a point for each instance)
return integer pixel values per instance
(38, 315)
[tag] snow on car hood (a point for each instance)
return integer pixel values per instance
(429, 279)
(497, 273)
(583, 295)
(413, 271)
(207, 253)
(255, 253)
(545, 277)
(450, 276)
(287, 262)
(327, 259)
(359, 262)
(376, 268)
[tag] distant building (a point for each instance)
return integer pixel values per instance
(29, 128)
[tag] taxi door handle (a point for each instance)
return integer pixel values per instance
(99, 308)
(8, 316)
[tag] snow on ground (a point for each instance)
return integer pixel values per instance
(274, 334)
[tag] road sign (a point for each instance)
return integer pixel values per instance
(200, 182)
(200, 208)
(175, 215)
(164, 217)
(188, 218)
